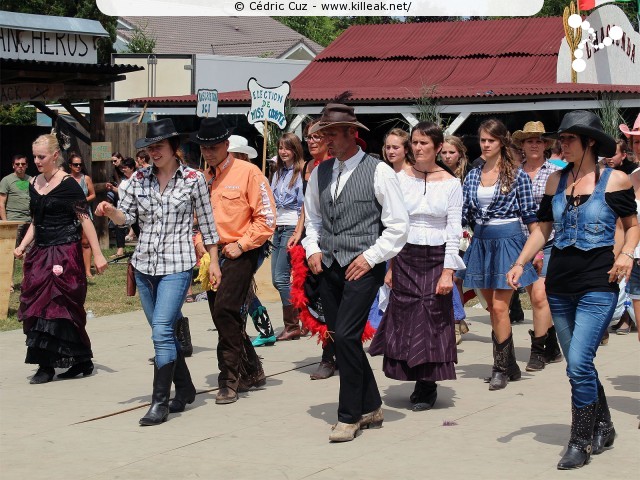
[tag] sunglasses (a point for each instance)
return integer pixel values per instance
(76, 164)
(20, 164)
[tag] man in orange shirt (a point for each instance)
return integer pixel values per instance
(244, 213)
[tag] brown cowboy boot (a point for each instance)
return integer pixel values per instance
(291, 329)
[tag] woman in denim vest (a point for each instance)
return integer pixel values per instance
(582, 203)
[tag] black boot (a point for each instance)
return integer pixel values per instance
(184, 336)
(185, 391)
(579, 449)
(536, 360)
(42, 375)
(505, 367)
(159, 410)
(603, 434)
(516, 315)
(424, 395)
(552, 353)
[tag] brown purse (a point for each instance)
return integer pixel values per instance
(131, 281)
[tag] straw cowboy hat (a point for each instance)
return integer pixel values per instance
(156, 132)
(337, 115)
(212, 131)
(531, 130)
(240, 144)
(634, 131)
(586, 123)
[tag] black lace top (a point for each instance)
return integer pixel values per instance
(56, 215)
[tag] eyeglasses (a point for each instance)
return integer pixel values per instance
(76, 164)
(19, 164)
(314, 138)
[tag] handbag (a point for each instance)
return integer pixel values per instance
(131, 281)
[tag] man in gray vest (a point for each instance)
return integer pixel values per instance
(355, 221)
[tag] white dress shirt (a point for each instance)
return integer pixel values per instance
(435, 212)
(394, 216)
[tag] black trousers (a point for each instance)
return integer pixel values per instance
(236, 356)
(346, 307)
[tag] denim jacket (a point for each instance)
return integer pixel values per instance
(588, 226)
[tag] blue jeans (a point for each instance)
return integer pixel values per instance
(581, 321)
(162, 297)
(281, 264)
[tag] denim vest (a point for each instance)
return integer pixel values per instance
(590, 225)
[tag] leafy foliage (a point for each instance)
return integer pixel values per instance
(141, 41)
(17, 114)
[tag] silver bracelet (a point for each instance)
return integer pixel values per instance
(628, 254)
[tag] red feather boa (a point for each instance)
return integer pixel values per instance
(299, 272)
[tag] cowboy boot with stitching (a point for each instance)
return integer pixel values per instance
(291, 329)
(578, 451)
(184, 336)
(552, 353)
(536, 359)
(185, 390)
(603, 434)
(159, 409)
(505, 367)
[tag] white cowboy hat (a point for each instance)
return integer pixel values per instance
(240, 144)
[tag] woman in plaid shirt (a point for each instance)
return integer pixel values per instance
(496, 196)
(163, 198)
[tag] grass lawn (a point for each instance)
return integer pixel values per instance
(106, 294)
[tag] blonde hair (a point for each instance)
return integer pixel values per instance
(462, 154)
(50, 142)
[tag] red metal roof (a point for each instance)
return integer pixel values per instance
(465, 59)
(526, 36)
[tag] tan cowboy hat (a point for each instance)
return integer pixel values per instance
(634, 131)
(531, 130)
(337, 115)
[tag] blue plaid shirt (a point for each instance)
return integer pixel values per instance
(518, 203)
(539, 184)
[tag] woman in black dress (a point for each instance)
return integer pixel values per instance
(55, 285)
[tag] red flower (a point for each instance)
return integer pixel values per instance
(192, 174)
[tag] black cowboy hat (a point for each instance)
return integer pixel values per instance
(212, 131)
(157, 131)
(582, 122)
(336, 115)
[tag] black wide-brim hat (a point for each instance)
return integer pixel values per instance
(212, 131)
(156, 132)
(582, 122)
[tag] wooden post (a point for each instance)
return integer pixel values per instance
(99, 170)
(265, 135)
(8, 231)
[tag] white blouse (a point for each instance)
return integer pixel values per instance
(434, 215)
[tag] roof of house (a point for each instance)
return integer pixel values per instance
(241, 36)
(446, 60)
(49, 23)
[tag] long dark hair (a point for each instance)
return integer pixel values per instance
(507, 168)
(291, 142)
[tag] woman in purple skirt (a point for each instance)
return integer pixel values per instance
(416, 335)
(55, 285)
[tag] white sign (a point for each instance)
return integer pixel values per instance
(207, 103)
(603, 60)
(268, 103)
(47, 46)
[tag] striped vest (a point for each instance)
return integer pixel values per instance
(351, 224)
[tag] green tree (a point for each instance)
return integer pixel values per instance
(17, 114)
(70, 8)
(141, 42)
(322, 30)
(555, 8)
